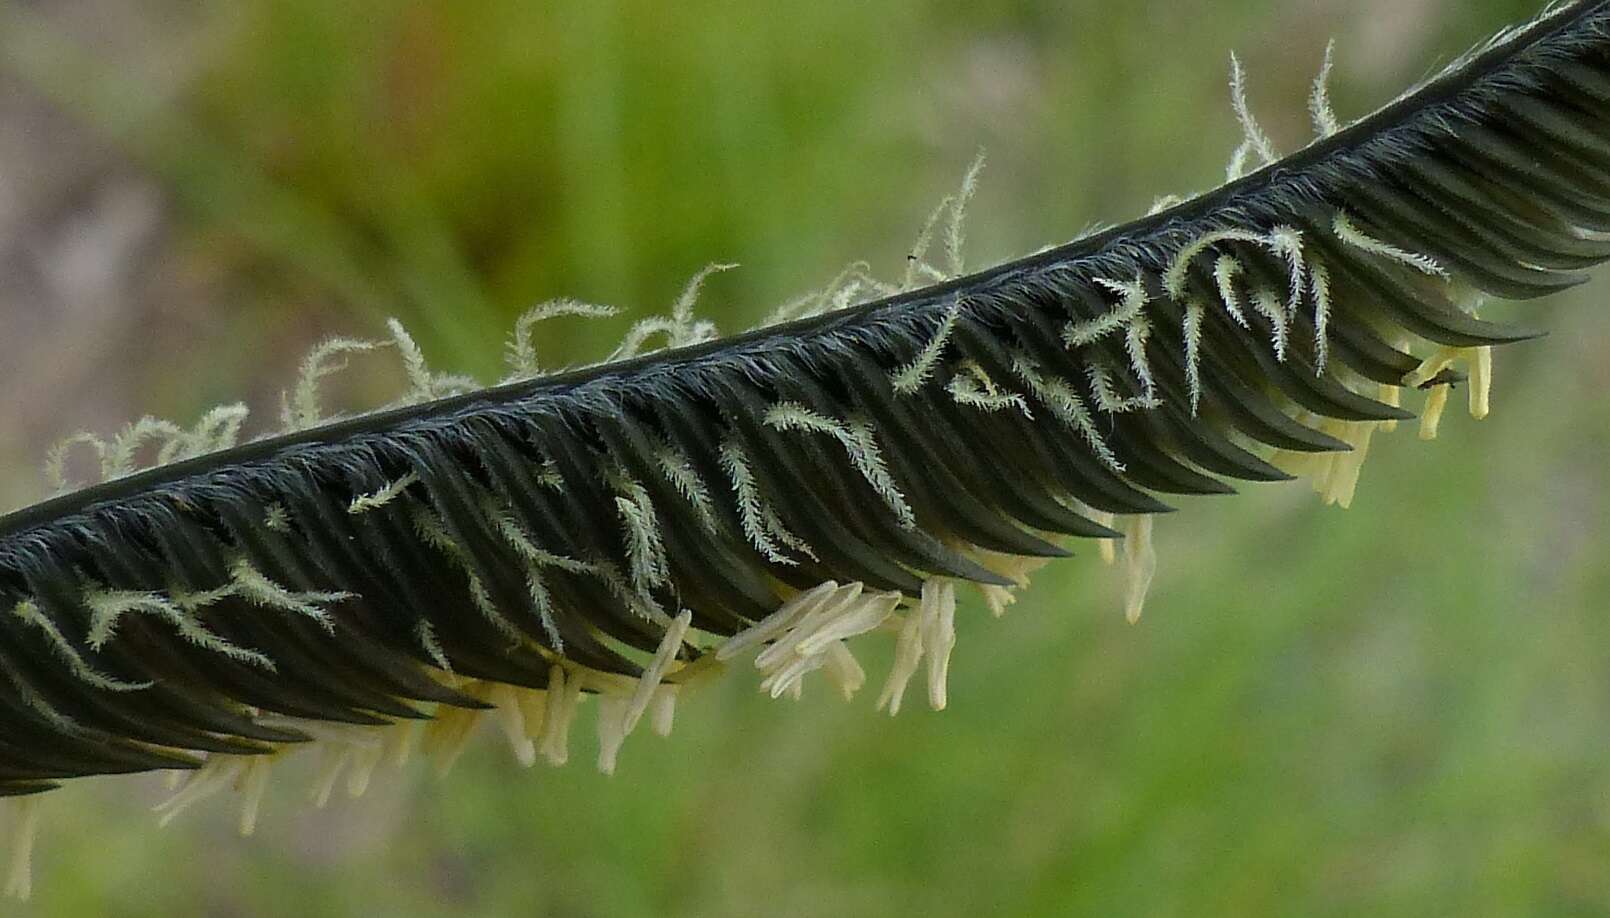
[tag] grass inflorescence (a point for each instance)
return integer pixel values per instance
(384, 581)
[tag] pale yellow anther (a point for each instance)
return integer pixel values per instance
(1107, 547)
(1342, 480)
(612, 711)
(24, 828)
(662, 710)
(400, 741)
(448, 736)
(1140, 564)
(844, 670)
(254, 784)
(996, 598)
(335, 760)
(1431, 366)
(1431, 418)
(1479, 361)
(511, 719)
(664, 658)
(1481, 382)
(939, 639)
(365, 759)
(216, 775)
(564, 697)
(907, 658)
(1390, 395)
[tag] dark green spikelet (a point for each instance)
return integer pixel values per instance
(617, 530)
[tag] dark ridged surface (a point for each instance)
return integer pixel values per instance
(1489, 170)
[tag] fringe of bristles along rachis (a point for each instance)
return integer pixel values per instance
(380, 583)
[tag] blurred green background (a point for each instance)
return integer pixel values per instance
(1399, 710)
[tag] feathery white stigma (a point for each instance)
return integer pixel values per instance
(1342, 225)
(1319, 106)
